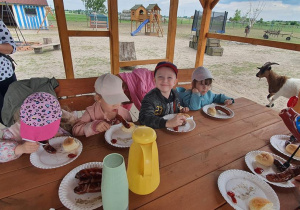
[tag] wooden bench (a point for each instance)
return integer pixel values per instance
(78, 94)
(39, 48)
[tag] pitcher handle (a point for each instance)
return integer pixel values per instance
(147, 155)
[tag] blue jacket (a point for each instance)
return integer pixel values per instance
(196, 101)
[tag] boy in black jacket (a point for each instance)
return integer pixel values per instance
(162, 100)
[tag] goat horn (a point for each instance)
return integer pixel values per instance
(267, 64)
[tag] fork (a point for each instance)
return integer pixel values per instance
(287, 163)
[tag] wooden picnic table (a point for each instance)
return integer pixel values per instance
(190, 164)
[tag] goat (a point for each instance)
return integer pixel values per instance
(278, 85)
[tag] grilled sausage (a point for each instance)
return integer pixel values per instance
(222, 109)
(88, 188)
(48, 147)
(284, 176)
(121, 119)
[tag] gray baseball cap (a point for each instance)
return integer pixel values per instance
(201, 73)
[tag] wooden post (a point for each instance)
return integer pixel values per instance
(203, 31)
(64, 38)
(172, 30)
(114, 35)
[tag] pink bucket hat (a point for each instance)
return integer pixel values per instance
(201, 73)
(40, 116)
(110, 88)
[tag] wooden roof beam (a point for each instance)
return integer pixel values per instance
(202, 2)
(213, 4)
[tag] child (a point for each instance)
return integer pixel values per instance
(40, 116)
(200, 94)
(162, 100)
(102, 114)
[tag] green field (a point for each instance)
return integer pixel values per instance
(236, 29)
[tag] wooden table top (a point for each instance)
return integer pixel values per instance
(190, 164)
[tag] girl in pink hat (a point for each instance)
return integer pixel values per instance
(38, 120)
(103, 113)
(201, 94)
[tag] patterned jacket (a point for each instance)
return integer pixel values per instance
(155, 106)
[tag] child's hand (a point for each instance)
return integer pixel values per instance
(102, 126)
(27, 147)
(228, 102)
(176, 121)
(184, 109)
(195, 90)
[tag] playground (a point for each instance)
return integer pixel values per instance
(231, 72)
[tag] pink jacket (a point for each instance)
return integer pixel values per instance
(139, 82)
(9, 139)
(92, 116)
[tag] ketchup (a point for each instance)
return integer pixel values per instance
(113, 141)
(259, 170)
(71, 155)
(232, 196)
(175, 128)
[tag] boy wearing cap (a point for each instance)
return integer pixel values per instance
(102, 114)
(200, 94)
(162, 100)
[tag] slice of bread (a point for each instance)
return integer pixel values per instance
(259, 203)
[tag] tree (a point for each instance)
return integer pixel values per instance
(237, 16)
(95, 5)
(253, 13)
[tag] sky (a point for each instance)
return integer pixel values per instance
(286, 10)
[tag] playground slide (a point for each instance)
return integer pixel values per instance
(140, 27)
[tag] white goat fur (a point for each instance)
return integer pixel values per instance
(290, 88)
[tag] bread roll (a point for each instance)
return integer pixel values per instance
(265, 159)
(258, 203)
(70, 144)
(212, 111)
(291, 149)
(128, 130)
(184, 114)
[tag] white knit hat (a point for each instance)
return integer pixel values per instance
(110, 88)
(201, 73)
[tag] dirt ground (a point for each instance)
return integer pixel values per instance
(234, 72)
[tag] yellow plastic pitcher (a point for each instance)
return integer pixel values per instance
(143, 167)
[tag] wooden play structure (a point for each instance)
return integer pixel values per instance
(48, 11)
(149, 17)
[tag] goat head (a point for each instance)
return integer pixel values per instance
(264, 68)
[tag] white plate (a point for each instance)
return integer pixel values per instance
(278, 142)
(74, 201)
(245, 186)
(189, 126)
(124, 139)
(252, 164)
(219, 115)
(45, 160)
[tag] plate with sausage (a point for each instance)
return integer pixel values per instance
(57, 152)
(268, 164)
(279, 142)
(187, 126)
(218, 111)
(81, 187)
(119, 136)
(239, 188)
